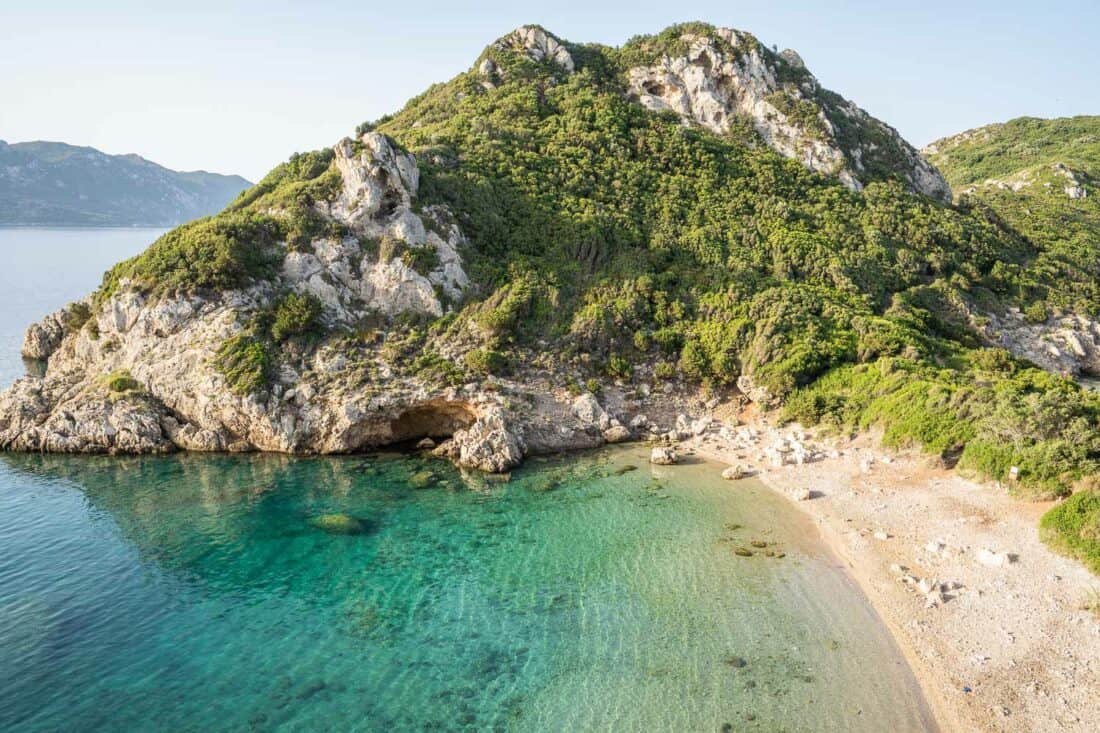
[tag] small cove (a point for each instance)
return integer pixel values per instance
(196, 592)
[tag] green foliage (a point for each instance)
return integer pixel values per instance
(422, 260)
(79, 314)
(296, 315)
(989, 417)
(1073, 527)
(1028, 164)
(223, 252)
(121, 382)
(485, 361)
(246, 362)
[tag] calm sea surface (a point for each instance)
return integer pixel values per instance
(394, 593)
(45, 269)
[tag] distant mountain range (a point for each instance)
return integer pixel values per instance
(51, 183)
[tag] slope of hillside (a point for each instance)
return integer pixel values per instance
(49, 183)
(1040, 176)
(552, 218)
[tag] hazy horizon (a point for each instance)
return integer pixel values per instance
(236, 88)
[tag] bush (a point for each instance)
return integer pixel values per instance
(217, 253)
(619, 367)
(1073, 528)
(422, 260)
(485, 361)
(246, 362)
(296, 315)
(121, 381)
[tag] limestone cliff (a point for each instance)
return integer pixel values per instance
(717, 77)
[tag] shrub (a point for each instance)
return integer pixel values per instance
(1073, 528)
(619, 367)
(216, 253)
(296, 315)
(421, 260)
(79, 314)
(246, 362)
(121, 381)
(485, 361)
(1036, 312)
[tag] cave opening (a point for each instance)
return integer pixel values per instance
(435, 419)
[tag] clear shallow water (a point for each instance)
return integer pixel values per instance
(193, 593)
(44, 269)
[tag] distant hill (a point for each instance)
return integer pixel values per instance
(50, 183)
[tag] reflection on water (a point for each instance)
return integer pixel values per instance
(391, 593)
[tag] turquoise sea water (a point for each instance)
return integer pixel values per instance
(197, 593)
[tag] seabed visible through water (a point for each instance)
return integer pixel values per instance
(391, 592)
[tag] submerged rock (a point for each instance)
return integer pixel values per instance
(339, 524)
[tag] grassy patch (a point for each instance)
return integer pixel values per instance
(1073, 528)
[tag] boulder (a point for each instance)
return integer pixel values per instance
(487, 445)
(663, 456)
(617, 434)
(734, 473)
(588, 410)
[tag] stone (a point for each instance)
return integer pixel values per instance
(488, 445)
(425, 444)
(588, 410)
(422, 480)
(733, 473)
(801, 494)
(339, 524)
(700, 426)
(617, 434)
(663, 456)
(880, 535)
(640, 422)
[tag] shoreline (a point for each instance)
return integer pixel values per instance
(994, 647)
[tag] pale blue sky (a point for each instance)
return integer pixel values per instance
(236, 87)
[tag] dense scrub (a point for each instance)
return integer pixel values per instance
(1020, 170)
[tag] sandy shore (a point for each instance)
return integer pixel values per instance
(996, 647)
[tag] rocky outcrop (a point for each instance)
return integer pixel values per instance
(43, 338)
(538, 45)
(729, 75)
(1067, 344)
(372, 270)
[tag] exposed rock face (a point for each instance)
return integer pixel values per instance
(1064, 345)
(730, 75)
(537, 45)
(43, 338)
(375, 203)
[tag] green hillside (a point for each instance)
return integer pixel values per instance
(605, 238)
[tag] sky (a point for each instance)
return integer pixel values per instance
(236, 87)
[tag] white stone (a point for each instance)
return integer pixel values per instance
(663, 456)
